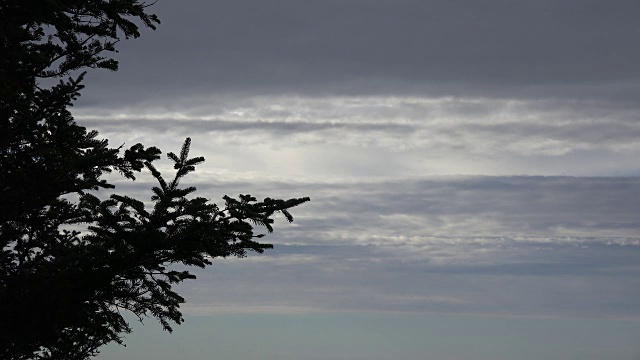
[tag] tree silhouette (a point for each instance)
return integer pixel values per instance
(72, 262)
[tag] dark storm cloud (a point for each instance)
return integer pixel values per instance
(495, 48)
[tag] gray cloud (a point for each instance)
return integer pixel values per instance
(496, 48)
(451, 210)
(422, 87)
(358, 104)
(522, 279)
(406, 135)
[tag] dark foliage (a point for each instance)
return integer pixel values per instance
(72, 262)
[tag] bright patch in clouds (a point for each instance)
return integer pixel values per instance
(391, 136)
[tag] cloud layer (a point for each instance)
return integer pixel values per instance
(409, 124)
(360, 46)
(540, 246)
(407, 136)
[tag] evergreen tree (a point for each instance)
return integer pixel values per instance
(63, 291)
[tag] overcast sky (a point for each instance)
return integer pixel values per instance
(475, 158)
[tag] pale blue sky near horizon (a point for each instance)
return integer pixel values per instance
(473, 168)
(381, 336)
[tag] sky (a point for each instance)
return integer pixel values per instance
(473, 169)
